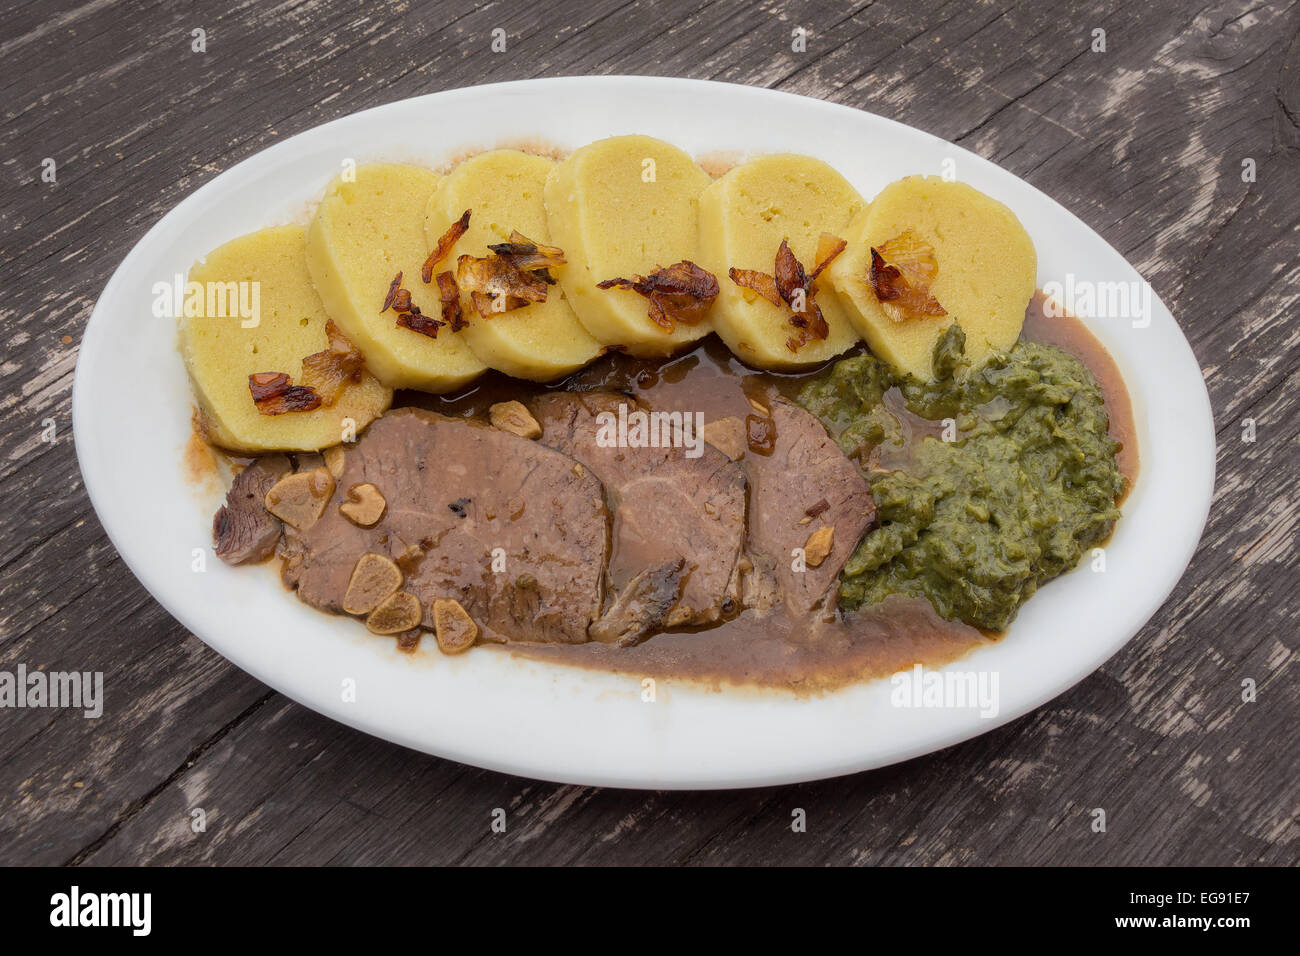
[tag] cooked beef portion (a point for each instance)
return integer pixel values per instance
(758, 587)
(572, 537)
(459, 495)
(666, 505)
(806, 474)
(642, 606)
(243, 530)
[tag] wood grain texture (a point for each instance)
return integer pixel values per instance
(1145, 142)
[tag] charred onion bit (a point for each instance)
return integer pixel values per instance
(274, 395)
(265, 385)
(328, 372)
(530, 256)
(409, 315)
(393, 288)
(681, 292)
(789, 283)
(515, 275)
(449, 296)
(795, 285)
(417, 321)
(902, 272)
(445, 242)
(495, 284)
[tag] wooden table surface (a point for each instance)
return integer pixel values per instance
(1145, 142)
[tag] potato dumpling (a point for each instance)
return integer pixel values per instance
(540, 341)
(987, 271)
(621, 207)
(220, 353)
(367, 228)
(744, 216)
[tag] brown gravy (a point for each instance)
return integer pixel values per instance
(772, 650)
(1071, 335)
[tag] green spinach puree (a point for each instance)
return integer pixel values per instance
(977, 523)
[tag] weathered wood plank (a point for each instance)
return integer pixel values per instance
(1144, 142)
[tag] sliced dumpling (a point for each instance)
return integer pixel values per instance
(503, 188)
(744, 217)
(947, 253)
(621, 208)
(369, 227)
(223, 345)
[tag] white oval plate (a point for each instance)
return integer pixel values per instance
(131, 415)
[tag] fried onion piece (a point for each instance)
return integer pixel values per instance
(445, 242)
(793, 286)
(338, 341)
(495, 284)
(264, 385)
(449, 295)
(790, 275)
(809, 325)
(760, 282)
(399, 300)
(274, 395)
(796, 289)
(530, 256)
(329, 371)
(828, 247)
(516, 274)
(417, 321)
(409, 315)
(393, 288)
(902, 272)
(681, 292)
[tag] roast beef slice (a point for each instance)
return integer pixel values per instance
(459, 495)
(666, 505)
(805, 471)
(243, 530)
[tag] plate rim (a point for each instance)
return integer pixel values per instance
(82, 415)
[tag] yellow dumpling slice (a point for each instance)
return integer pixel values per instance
(987, 270)
(621, 207)
(368, 227)
(744, 216)
(541, 341)
(220, 353)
